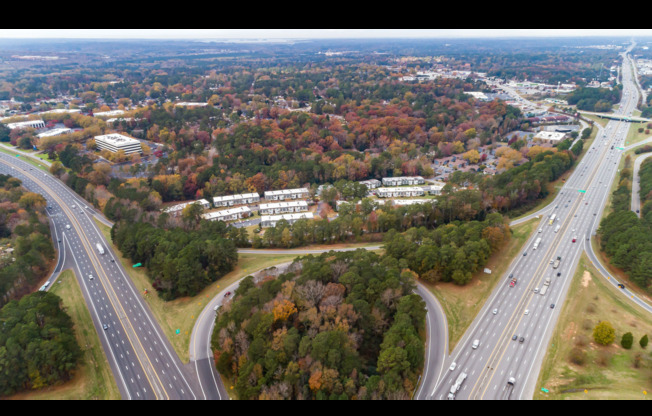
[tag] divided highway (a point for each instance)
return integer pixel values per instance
(509, 337)
(143, 362)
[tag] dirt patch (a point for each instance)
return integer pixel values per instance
(586, 278)
(570, 332)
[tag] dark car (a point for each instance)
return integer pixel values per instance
(521, 340)
(620, 285)
(515, 337)
(105, 326)
(552, 306)
(558, 274)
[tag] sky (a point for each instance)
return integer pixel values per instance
(310, 33)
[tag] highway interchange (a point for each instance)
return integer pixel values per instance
(145, 365)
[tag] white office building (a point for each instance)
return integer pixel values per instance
(115, 142)
(34, 124)
(230, 214)
(112, 113)
(284, 194)
(271, 220)
(54, 132)
(239, 199)
(551, 137)
(283, 207)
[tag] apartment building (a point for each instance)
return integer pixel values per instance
(271, 220)
(405, 192)
(284, 194)
(230, 214)
(371, 183)
(175, 210)
(403, 180)
(239, 199)
(283, 207)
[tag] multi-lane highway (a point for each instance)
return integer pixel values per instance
(146, 367)
(142, 360)
(511, 334)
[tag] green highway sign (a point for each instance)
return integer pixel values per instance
(137, 265)
(583, 191)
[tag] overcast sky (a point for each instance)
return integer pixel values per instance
(309, 33)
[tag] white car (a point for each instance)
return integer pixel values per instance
(536, 290)
(495, 311)
(452, 367)
(90, 277)
(527, 312)
(476, 344)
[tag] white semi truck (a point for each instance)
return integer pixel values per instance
(544, 288)
(456, 387)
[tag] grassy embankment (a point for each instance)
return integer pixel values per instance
(93, 379)
(577, 368)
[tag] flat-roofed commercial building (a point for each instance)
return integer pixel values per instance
(282, 207)
(403, 180)
(551, 137)
(115, 142)
(239, 199)
(399, 192)
(54, 132)
(34, 124)
(271, 220)
(109, 113)
(175, 210)
(230, 214)
(284, 194)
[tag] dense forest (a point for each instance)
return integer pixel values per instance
(595, 99)
(37, 344)
(337, 326)
(24, 229)
(625, 238)
(179, 262)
